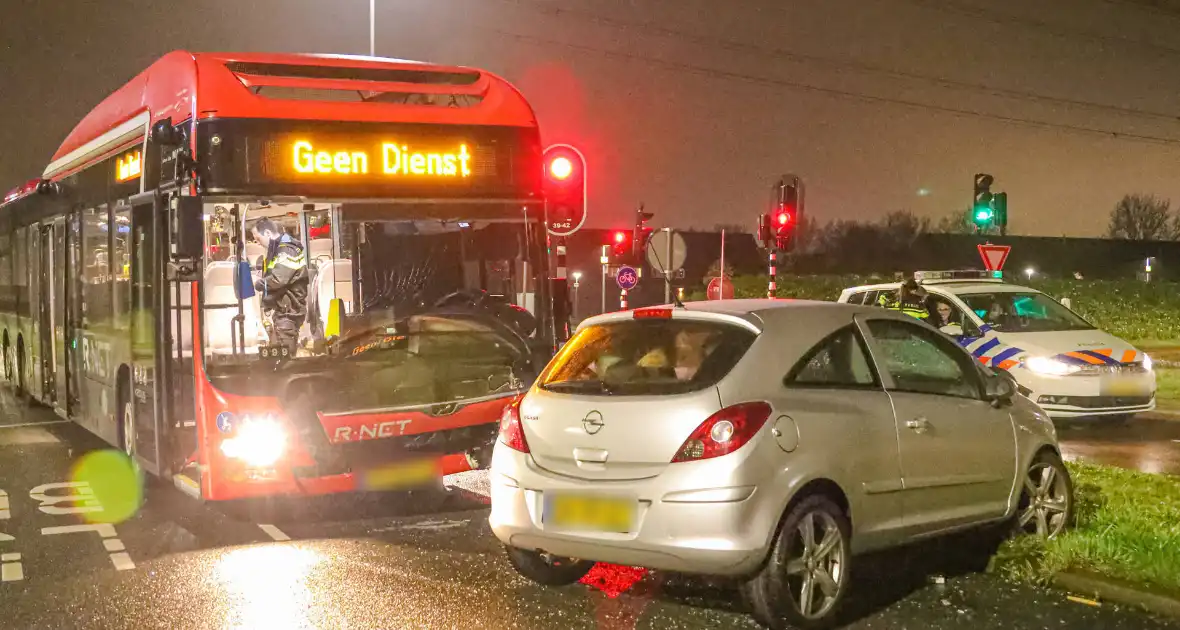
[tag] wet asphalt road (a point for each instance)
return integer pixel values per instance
(1148, 443)
(378, 562)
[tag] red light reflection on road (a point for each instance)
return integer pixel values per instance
(613, 579)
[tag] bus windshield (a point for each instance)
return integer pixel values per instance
(454, 295)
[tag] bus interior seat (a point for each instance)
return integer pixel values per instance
(333, 279)
(321, 248)
(219, 291)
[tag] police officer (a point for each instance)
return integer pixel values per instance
(284, 282)
(910, 299)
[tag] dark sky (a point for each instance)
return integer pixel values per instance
(695, 106)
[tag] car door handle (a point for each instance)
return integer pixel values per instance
(919, 425)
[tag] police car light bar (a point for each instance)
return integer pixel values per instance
(959, 275)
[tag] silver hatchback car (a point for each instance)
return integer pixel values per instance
(768, 440)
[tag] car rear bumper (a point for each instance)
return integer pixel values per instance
(720, 531)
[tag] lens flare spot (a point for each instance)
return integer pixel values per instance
(116, 482)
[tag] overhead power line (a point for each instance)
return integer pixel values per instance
(998, 17)
(796, 85)
(841, 64)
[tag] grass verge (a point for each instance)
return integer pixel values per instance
(1167, 388)
(1127, 528)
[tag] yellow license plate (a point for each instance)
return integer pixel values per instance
(1124, 387)
(401, 475)
(601, 514)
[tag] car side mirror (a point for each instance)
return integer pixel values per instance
(999, 389)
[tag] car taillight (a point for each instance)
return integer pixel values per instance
(724, 432)
(511, 431)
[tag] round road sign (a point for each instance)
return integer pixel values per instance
(627, 278)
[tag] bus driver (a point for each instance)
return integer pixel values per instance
(283, 286)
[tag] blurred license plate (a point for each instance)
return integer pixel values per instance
(400, 475)
(590, 513)
(1116, 386)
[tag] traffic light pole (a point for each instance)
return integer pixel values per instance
(604, 260)
(771, 287)
(668, 272)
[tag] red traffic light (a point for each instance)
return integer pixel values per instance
(620, 237)
(784, 218)
(561, 168)
(564, 186)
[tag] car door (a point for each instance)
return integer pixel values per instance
(836, 400)
(958, 454)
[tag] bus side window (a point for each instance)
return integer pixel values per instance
(96, 305)
(121, 267)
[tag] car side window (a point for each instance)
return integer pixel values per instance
(922, 361)
(840, 360)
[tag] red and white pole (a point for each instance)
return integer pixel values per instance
(771, 288)
(622, 299)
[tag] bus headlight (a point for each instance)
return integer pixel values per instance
(258, 441)
(1050, 367)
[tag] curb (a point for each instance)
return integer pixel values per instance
(1105, 589)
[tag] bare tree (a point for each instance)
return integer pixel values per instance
(1141, 218)
(956, 222)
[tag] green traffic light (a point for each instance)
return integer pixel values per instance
(983, 214)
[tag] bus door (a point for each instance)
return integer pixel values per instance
(72, 274)
(146, 278)
(52, 314)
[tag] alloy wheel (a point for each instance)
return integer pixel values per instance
(1047, 493)
(816, 564)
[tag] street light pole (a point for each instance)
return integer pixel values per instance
(372, 28)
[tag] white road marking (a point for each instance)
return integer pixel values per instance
(6, 537)
(113, 544)
(27, 435)
(274, 532)
(49, 502)
(106, 530)
(432, 526)
(122, 561)
(11, 572)
(9, 557)
(32, 424)
(4, 511)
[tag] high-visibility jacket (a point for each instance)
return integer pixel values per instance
(911, 306)
(284, 279)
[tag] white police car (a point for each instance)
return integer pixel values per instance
(1059, 360)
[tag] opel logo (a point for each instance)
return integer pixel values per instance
(593, 422)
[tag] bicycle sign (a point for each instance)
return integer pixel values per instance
(627, 278)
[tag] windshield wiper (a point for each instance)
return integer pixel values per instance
(580, 386)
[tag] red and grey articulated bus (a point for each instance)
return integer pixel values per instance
(128, 271)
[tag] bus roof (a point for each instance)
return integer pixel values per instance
(20, 192)
(183, 85)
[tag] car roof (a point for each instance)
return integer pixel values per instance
(955, 287)
(753, 313)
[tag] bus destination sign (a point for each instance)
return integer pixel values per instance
(388, 158)
(368, 160)
(129, 166)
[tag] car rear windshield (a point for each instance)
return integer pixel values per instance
(646, 357)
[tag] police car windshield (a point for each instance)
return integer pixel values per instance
(1024, 312)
